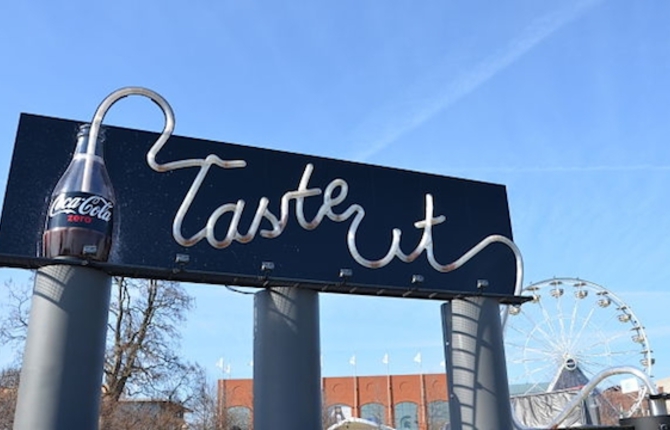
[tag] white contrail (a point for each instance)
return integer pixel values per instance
(425, 108)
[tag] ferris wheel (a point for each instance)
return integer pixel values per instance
(568, 332)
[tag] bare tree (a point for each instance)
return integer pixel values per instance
(142, 357)
(9, 385)
(205, 411)
(16, 308)
(199, 412)
(142, 360)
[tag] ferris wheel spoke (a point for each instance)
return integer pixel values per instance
(546, 316)
(524, 334)
(560, 317)
(535, 353)
(608, 322)
(608, 352)
(585, 324)
(536, 361)
(573, 320)
(542, 345)
(518, 353)
(540, 336)
(631, 352)
(604, 343)
(540, 355)
(587, 366)
(544, 370)
(512, 345)
(538, 327)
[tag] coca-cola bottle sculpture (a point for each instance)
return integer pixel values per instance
(80, 215)
(79, 220)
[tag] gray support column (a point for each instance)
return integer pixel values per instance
(476, 369)
(62, 371)
(287, 368)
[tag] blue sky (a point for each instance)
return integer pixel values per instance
(564, 102)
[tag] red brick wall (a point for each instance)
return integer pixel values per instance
(236, 392)
(356, 392)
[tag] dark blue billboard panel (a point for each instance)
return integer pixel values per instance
(202, 211)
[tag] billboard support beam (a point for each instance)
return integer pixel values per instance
(287, 363)
(60, 385)
(475, 358)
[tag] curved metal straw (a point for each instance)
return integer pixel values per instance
(107, 103)
(657, 405)
(518, 284)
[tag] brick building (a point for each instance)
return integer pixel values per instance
(419, 402)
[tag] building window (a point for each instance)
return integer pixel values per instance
(373, 412)
(238, 418)
(438, 415)
(337, 413)
(406, 416)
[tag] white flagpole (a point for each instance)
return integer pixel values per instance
(422, 385)
(224, 367)
(220, 364)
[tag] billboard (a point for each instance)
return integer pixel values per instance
(211, 212)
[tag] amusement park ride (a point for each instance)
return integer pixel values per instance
(577, 342)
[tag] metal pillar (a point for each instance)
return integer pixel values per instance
(287, 370)
(62, 371)
(476, 369)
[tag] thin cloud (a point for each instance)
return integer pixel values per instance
(646, 294)
(563, 169)
(388, 127)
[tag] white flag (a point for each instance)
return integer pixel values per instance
(219, 364)
(227, 370)
(352, 360)
(417, 357)
(385, 360)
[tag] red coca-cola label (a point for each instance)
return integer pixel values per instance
(78, 209)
